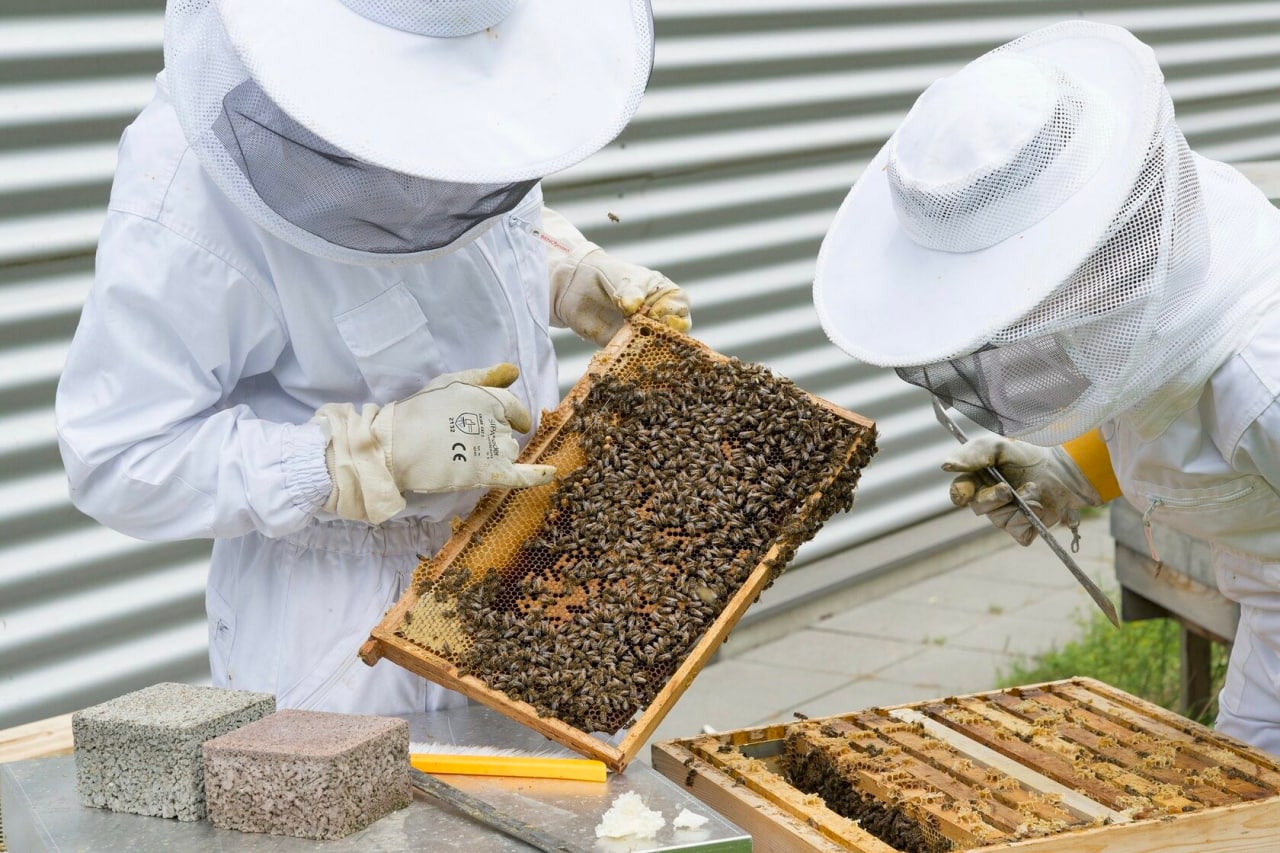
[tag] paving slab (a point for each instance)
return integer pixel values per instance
(902, 620)
(858, 695)
(965, 590)
(1067, 605)
(832, 652)
(1036, 564)
(950, 670)
(1017, 634)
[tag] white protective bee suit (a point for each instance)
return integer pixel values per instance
(1038, 247)
(219, 323)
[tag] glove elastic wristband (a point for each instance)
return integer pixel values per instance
(1090, 454)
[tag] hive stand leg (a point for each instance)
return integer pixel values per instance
(1196, 683)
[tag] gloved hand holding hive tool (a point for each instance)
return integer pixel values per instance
(1046, 478)
(454, 434)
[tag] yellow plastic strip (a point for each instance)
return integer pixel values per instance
(1090, 452)
(580, 769)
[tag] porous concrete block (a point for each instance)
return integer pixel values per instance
(308, 774)
(140, 753)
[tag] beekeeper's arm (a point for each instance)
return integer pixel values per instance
(153, 446)
(592, 292)
(151, 442)
(1056, 482)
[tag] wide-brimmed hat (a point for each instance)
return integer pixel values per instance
(1001, 181)
(474, 91)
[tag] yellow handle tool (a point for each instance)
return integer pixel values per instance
(580, 769)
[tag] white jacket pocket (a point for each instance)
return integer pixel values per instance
(1239, 512)
(391, 342)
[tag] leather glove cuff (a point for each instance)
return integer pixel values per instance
(363, 486)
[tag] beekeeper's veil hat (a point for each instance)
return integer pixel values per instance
(432, 115)
(1036, 244)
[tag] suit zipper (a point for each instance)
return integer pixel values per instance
(1150, 534)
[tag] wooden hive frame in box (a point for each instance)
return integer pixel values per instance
(1073, 766)
(584, 627)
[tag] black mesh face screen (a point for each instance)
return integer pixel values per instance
(321, 189)
(1008, 389)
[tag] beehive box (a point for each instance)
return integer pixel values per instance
(586, 607)
(1067, 766)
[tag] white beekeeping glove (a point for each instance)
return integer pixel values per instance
(1046, 477)
(592, 292)
(454, 434)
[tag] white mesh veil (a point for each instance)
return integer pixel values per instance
(295, 185)
(1159, 303)
(326, 192)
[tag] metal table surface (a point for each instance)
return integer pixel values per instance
(42, 811)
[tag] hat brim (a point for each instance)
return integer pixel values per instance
(886, 300)
(552, 83)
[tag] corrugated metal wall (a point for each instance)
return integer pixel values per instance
(760, 115)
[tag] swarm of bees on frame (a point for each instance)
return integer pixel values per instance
(694, 470)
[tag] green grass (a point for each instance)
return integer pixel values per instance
(1142, 658)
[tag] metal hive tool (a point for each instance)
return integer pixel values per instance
(585, 608)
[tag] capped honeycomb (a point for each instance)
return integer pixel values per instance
(682, 474)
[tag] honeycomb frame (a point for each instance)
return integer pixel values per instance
(1058, 767)
(420, 632)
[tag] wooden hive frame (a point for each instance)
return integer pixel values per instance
(384, 641)
(1239, 811)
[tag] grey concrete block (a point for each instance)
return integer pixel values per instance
(140, 753)
(308, 774)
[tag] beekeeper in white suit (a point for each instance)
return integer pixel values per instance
(1037, 246)
(320, 312)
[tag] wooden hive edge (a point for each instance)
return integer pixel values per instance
(40, 739)
(1235, 828)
